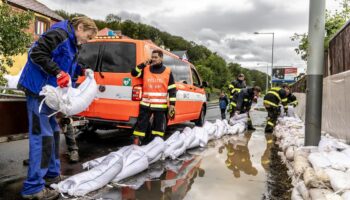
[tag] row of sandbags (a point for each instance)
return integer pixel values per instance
(319, 172)
(131, 160)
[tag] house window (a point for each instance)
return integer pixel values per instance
(41, 26)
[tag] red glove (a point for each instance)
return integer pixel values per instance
(62, 79)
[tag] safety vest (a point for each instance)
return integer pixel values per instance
(155, 88)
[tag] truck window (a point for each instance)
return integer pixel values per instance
(119, 57)
(182, 72)
(195, 78)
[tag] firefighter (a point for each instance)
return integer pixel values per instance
(244, 100)
(272, 101)
(158, 85)
(51, 61)
(234, 88)
(292, 99)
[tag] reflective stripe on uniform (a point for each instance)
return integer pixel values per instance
(270, 103)
(270, 123)
(245, 99)
(172, 99)
(285, 100)
(139, 72)
(156, 94)
(171, 86)
(144, 103)
(138, 133)
(158, 133)
(159, 105)
(147, 100)
(274, 93)
(294, 102)
(231, 86)
(233, 104)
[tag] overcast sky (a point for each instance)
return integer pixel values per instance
(224, 26)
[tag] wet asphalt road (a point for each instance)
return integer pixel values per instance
(233, 167)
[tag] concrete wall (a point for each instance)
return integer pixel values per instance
(335, 106)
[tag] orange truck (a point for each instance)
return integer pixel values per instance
(119, 94)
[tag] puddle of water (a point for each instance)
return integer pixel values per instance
(231, 168)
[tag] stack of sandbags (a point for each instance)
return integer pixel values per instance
(131, 160)
(321, 172)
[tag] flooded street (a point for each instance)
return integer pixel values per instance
(233, 167)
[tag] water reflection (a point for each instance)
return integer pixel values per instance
(171, 179)
(265, 158)
(238, 156)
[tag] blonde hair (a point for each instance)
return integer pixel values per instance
(88, 24)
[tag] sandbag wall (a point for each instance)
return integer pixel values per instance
(320, 172)
(131, 160)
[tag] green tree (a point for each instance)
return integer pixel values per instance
(13, 39)
(334, 21)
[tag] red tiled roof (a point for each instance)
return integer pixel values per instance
(36, 7)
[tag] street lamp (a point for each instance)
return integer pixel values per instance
(267, 77)
(273, 44)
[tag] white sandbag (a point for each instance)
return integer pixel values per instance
(242, 120)
(290, 153)
(300, 162)
(346, 152)
(232, 130)
(174, 142)
(69, 100)
(322, 176)
(201, 135)
(241, 128)
(85, 182)
(240, 116)
(154, 149)
(320, 194)
(338, 160)
(188, 137)
(178, 152)
(220, 129)
(310, 178)
(328, 144)
(93, 163)
(210, 128)
(346, 195)
(296, 195)
(319, 160)
(303, 190)
(339, 180)
(291, 112)
(134, 162)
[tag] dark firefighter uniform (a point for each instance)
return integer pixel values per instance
(292, 100)
(271, 102)
(234, 87)
(158, 84)
(243, 101)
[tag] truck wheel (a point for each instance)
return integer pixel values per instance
(200, 120)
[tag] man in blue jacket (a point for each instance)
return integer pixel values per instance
(52, 60)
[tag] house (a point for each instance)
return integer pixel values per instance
(44, 17)
(109, 32)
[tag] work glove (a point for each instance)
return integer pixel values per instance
(171, 112)
(62, 79)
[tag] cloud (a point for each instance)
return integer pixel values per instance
(224, 26)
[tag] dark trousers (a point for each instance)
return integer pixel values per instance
(143, 122)
(223, 113)
(70, 138)
(272, 116)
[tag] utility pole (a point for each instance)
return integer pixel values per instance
(313, 119)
